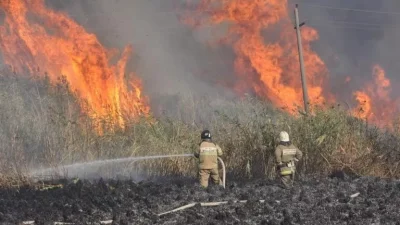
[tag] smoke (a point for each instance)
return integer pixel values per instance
(2, 17)
(351, 42)
(169, 57)
(173, 58)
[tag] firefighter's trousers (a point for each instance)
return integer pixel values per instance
(204, 175)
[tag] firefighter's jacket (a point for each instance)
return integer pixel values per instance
(208, 154)
(285, 154)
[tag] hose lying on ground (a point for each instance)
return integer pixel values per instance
(182, 208)
(220, 203)
(203, 204)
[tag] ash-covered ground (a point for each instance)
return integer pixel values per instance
(312, 201)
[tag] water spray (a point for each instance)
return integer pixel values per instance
(120, 160)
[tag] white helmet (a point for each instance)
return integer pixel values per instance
(284, 136)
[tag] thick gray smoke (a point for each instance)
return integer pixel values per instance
(172, 58)
(351, 42)
(169, 56)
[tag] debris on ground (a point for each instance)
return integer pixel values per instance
(363, 200)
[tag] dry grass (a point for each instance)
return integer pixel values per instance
(43, 125)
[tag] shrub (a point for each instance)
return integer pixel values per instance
(42, 125)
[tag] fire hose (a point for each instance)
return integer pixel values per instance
(223, 171)
(219, 159)
(136, 159)
(204, 204)
(186, 155)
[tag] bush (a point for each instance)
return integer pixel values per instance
(43, 126)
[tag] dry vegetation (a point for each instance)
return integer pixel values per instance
(43, 125)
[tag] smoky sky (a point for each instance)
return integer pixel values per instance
(351, 42)
(171, 57)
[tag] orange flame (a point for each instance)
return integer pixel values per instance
(262, 36)
(364, 109)
(53, 42)
(271, 70)
(374, 102)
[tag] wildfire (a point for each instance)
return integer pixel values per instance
(34, 36)
(270, 69)
(374, 102)
(262, 36)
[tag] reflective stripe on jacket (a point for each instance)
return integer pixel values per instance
(285, 154)
(208, 155)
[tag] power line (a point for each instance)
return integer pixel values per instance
(377, 25)
(336, 23)
(347, 27)
(351, 9)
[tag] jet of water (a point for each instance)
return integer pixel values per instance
(82, 167)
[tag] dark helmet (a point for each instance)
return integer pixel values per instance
(206, 135)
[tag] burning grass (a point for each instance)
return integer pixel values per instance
(42, 125)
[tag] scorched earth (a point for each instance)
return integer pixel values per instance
(330, 200)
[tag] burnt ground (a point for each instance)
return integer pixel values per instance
(312, 201)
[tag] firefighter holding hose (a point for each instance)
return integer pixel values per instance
(286, 155)
(208, 153)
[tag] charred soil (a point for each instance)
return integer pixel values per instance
(312, 201)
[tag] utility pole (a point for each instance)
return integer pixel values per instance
(302, 69)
